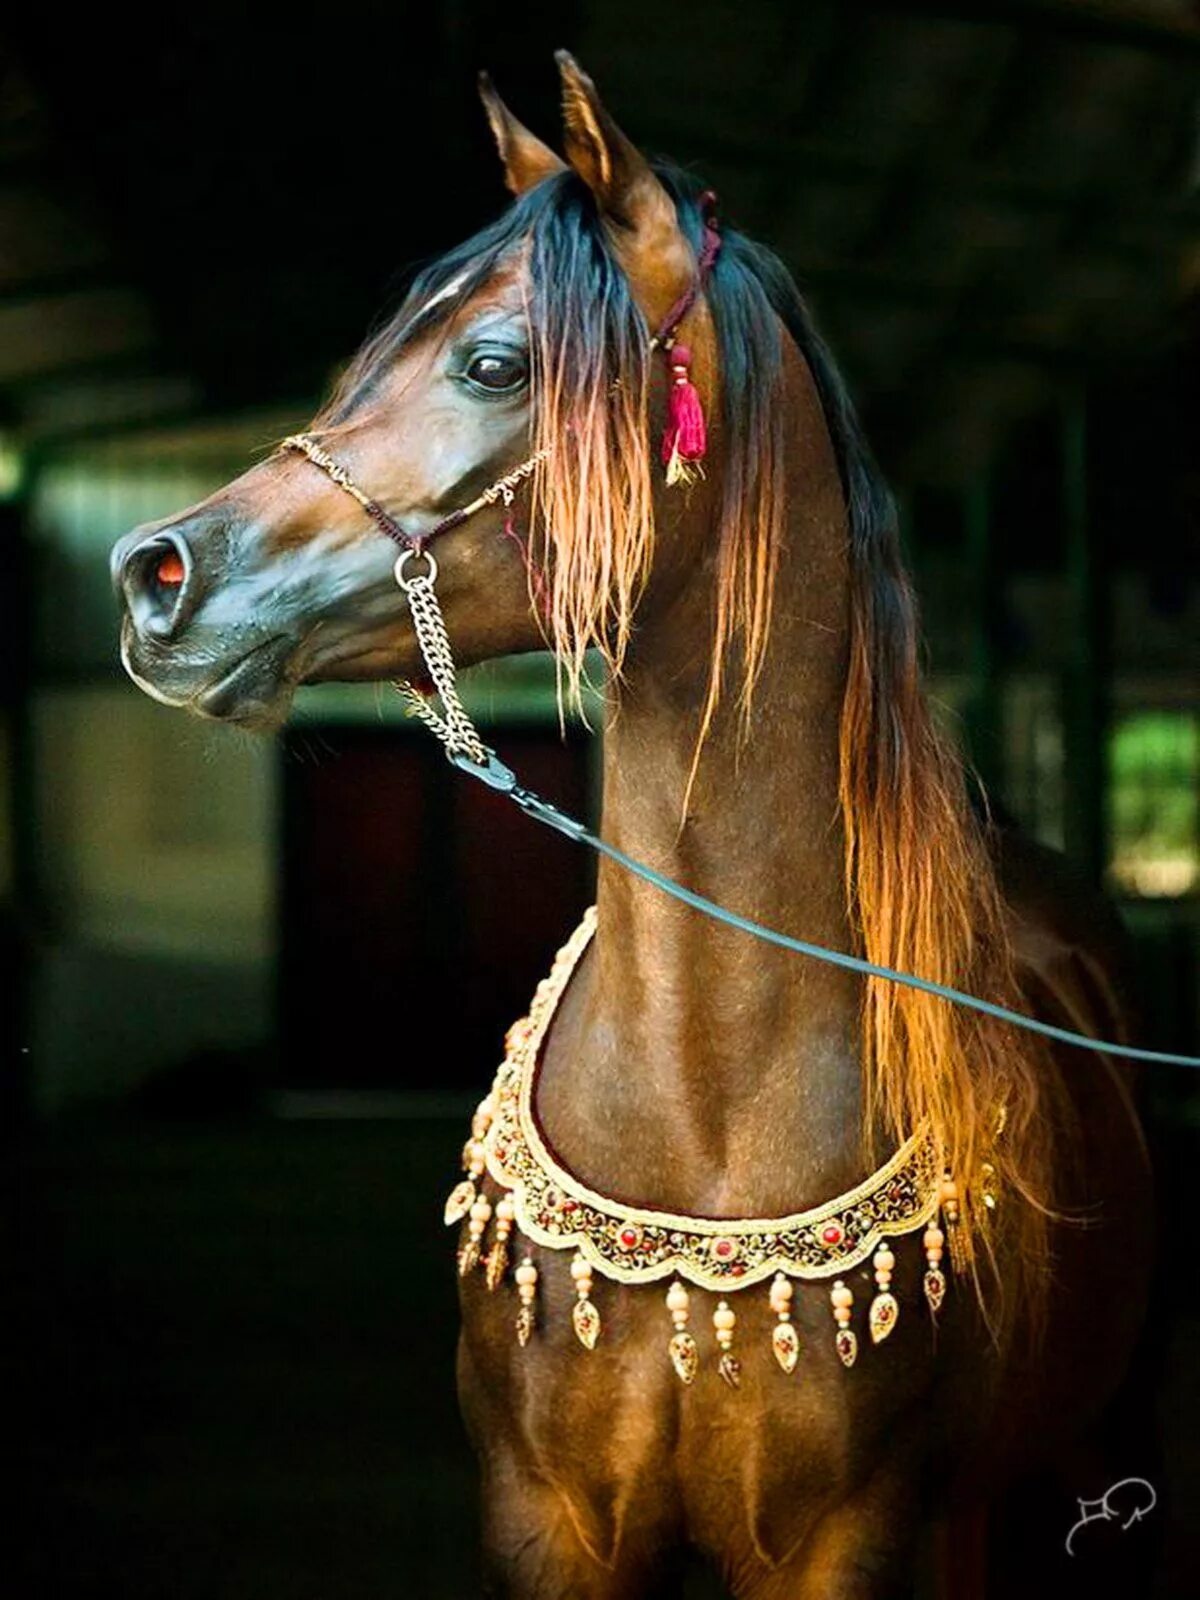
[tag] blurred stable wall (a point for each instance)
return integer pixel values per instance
(149, 839)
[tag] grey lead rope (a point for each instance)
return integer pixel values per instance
(466, 750)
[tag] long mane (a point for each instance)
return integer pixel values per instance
(920, 878)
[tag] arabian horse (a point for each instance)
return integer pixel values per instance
(768, 743)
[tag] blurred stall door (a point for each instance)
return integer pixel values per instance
(418, 909)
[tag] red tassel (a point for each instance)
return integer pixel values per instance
(685, 439)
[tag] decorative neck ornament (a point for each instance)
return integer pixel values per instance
(547, 1205)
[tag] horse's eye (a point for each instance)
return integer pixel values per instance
(497, 373)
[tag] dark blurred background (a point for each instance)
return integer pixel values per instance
(256, 985)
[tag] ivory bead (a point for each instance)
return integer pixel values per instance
(840, 1295)
(884, 1261)
(934, 1238)
(723, 1318)
(526, 1274)
(677, 1298)
(505, 1210)
(482, 1209)
(580, 1269)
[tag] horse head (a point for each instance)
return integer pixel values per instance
(534, 336)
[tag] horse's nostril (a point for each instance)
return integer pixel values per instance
(158, 581)
(170, 571)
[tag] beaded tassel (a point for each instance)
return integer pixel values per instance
(468, 1256)
(884, 1309)
(527, 1277)
(724, 1322)
(462, 1196)
(584, 1314)
(935, 1278)
(785, 1342)
(845, 1340)
(497, 1261)
(954, 1238)
(684, 443)
(682, 1348)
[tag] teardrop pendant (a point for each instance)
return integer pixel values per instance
(724, 1322)
(497, 1261)
(685, 1358)
(845, 1340)
(527, 1277)
(682, 1349)
(935, 1278)
(462, 1197)
(468, 1256)
(459, 1202)
(584, 1316)
(785, 1341)
(884, 1309)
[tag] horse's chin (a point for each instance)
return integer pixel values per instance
(254, 692)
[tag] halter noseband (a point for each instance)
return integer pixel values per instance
(503, 489)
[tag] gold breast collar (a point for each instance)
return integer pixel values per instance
(549, 1206)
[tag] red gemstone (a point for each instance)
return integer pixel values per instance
(570, 1205)
(628, 1237)
(832, 1234)
(736, 1270)
(723, 1248)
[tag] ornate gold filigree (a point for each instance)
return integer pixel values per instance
(547, 1204)
(641, 1244)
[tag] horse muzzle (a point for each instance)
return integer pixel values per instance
(190, 637)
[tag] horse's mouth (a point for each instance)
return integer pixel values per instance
(251, 689)
(255, 690)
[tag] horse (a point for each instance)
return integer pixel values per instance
(768, 742)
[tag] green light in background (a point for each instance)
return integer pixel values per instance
(12, 468)
(1154, 772)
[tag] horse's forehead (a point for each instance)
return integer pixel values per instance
(503, 293)
(504, 290)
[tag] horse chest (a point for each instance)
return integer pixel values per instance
(629, 1449)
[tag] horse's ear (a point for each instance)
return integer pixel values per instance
(526, 159)
(638, 212)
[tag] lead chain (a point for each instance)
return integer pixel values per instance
(453, 727)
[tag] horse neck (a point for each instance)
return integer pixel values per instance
(735, 1047)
